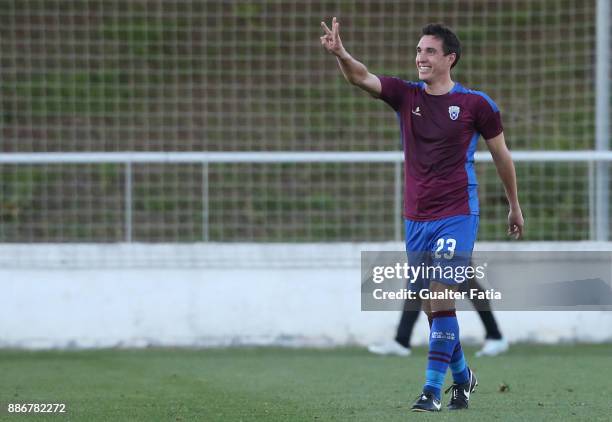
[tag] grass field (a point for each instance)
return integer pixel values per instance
(545, 383)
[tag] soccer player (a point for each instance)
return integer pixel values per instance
(440, 124)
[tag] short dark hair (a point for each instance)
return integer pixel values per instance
(450, 42)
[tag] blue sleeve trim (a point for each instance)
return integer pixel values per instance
(414, 84)
(461, 89)
(486, 97)
(472, 187)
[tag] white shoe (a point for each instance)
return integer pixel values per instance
(389, 348)
(493, 347)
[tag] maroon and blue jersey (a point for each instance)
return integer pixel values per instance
(439, 136)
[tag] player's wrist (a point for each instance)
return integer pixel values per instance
(342, 55)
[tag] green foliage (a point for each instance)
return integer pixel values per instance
(227, 71)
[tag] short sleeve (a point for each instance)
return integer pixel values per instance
(393, 91)
(488, 117)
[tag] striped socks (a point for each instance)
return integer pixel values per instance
(458, 366)
(444, 349)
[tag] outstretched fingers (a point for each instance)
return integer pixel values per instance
(331, 39)
(335, 27)
(326, 29)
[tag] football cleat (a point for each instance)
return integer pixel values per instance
(460, 393)
(493, 347)
(427, 402)
(389, 348)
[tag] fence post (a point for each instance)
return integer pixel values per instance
(398, 202)
(591, 166)
(128, 201)
(602, 117)
(205, 203)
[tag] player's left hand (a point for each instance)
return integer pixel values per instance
(515, 223)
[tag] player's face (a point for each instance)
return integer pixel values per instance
(431, 62)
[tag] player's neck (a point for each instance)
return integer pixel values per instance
(440, 87)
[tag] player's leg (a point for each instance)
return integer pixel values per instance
(400, 345)
(429, 399)
(464, 379)
(463, 230)
(454, 241)
(405, 327)
(409, 317)
(442, 338)
(495, 343)
(417, 248)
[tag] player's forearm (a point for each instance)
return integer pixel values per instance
(354, 71)
(507, 174)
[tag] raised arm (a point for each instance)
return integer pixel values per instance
(354, 72)
(507, 174)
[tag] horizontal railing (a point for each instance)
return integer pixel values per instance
(598, 191)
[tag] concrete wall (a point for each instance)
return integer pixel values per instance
(293, 295)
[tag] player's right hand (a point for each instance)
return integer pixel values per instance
(331, 40)
(515, 223)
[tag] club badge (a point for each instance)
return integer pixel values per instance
(453, 112)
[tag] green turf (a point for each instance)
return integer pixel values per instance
(545, 383)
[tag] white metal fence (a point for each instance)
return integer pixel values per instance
(82, 76)
(598, 195)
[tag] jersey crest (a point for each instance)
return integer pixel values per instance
(453, 112)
